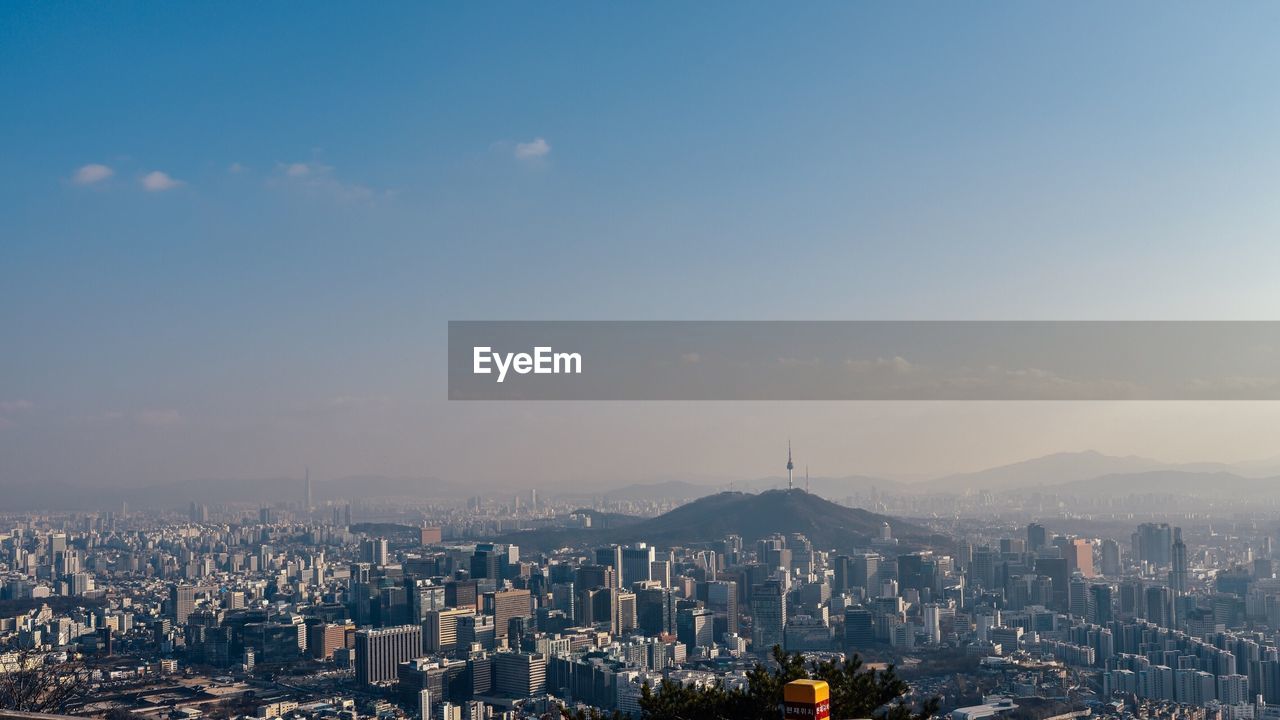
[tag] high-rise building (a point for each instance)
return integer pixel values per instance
(611, 557)
(1153, 543)
(182, 600)
(519, 674)
(1159, 606)
(506, 604)
(1079, 555)
(637, 564)
(379, 651)
(695, 627)
(1110, 552)
(859, 628)
(1056, 570)
(768, 615)
(866, 572)
(374, 551)
(323, 639)
(307, 504)
(1178, 560)
(722, 599)
(1037, 537)
(656, 611)
(440, 630)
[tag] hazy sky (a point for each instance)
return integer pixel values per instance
(231, 237)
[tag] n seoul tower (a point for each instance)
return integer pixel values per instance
(791, 484)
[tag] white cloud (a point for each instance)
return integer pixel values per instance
(159, 418)
(157, 181)
(91, 173)
(318, 178)
(536, 148)
(8, 406)
(235, 167)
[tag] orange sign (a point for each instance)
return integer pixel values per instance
(806, 700)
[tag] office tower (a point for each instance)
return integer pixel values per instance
(722, 599)
(519, 674)
(611, 557)
(637, 565)
(1037, 537)
(841, 574)
(1056, 570)
(487, 562)
(1111, 558)
(380, 651)
(374, 551)
(1178, 560)
(307, 504)
(768, 614)
(1159, 606)
(1079, 555)
(982, 573)
(423, 596)
(476, 630)
(593, 576)
(660, 572)
(440, 630)
(1079, 598)
(623, 612)
(695, 627)
(656, 610)
(866, 572)
(1100, 607)
(859, 628)
(323, 639)
(506, 604)
(564, 599)
(932, 617)
(918, 571)
(1153, 543)
(461, 594)
(182, 600)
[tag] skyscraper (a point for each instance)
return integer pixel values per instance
(1110, 558)
(307, 505)
(768, 615)
(380, 651)
(637, 564)
(504, 605)
(182, 600)
(1178, 559)
(1037, 537)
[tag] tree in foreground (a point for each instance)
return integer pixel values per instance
(30, 684)
(855, 693)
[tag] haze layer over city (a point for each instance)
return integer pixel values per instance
(239, 478)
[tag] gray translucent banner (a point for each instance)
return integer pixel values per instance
(863, 360)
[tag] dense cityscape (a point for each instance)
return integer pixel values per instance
(535, 607)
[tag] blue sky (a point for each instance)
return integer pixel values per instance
(291, 204)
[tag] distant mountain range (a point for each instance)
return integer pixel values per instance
(750, 516)
(1086, 472)
(264, 491)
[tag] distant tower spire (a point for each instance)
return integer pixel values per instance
(307, 483)
(806, 478)
(791, 483)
